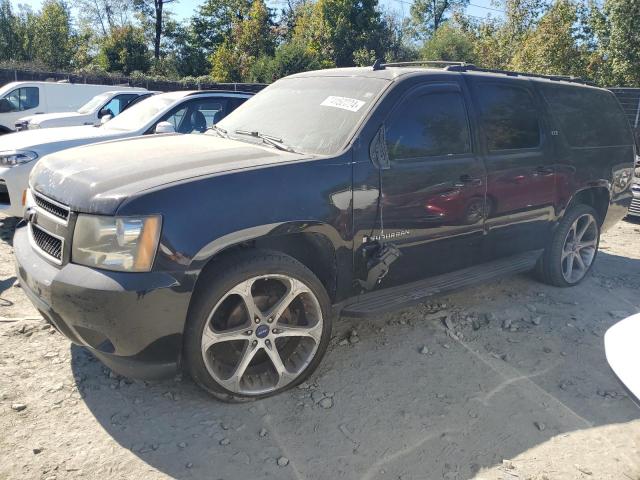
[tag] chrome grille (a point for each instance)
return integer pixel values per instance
(54, 208)
(634, 209)
(48, 244)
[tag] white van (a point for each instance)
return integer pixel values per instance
(99, 109)
(19, 99)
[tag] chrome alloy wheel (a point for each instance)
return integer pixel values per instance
(262, 334)
(579, 248)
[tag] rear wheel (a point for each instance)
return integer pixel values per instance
(257, 329)
(573, 249)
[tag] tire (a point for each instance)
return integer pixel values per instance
(234, 349)
(553, 267)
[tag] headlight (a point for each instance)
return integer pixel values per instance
(33, 126)
(125, 244)
(9, 158)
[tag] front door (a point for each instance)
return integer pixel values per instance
(433, 193)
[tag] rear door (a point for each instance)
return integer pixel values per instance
(519, 159)
(433, 194)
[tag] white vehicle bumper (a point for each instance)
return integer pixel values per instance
(13, 183)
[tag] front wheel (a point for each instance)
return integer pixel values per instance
(573, 248)
(257, 329)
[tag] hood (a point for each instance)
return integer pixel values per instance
(52, 139)
(63, 118)
(97, 178)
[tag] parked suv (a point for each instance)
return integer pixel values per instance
(355, 191)
(182, 112)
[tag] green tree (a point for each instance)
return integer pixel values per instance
(124, 50)
(289, 58)
(153, 13)
(190, 58)
(105, 15)
(621, 46)
(225, 65)
(249, 39)
(497, 40)
(335, 29)
(10, 38)
(428, 15)
(53, 40)
(215, 20)
(552, 47)
(450, 43)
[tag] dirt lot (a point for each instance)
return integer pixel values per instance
(501, 381)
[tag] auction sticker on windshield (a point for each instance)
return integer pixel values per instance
(345, 103)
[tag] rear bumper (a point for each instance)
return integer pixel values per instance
(132, 322)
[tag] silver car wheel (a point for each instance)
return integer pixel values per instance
(579, 248)
(262, 334)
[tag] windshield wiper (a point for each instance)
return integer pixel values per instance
(220, 131)
(268, 139)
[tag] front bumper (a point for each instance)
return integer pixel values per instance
(16, 181)
(133, 322)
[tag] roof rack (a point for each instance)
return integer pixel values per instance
(469, 67)
(379, 65)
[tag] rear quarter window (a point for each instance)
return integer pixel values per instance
(588, 117)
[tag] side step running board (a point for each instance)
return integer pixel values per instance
(390, 299)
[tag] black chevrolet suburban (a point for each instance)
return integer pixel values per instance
(338, 192)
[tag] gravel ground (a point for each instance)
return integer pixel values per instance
(500, 381)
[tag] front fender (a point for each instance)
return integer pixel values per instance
(258, 232)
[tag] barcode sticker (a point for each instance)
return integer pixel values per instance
(345, 103)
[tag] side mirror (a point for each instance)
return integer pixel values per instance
(165, 127)
(104, 112)
(378, 150)
(105, 119)
(5, 106)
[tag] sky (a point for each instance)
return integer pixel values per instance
(186, 8)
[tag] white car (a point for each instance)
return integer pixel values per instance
(102, 107)
(19, 99)
(180, 112)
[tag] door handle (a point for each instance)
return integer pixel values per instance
(543, 170)
(467, 180)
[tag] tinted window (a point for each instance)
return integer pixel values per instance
(213, 110)
(197, 116)
(22, 99)
(118, 103)
(509, 117)
(588, 117)
(429, 125)
(175, 117)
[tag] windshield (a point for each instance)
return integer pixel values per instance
(314, 115)
(138, 115)
(94, 103)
